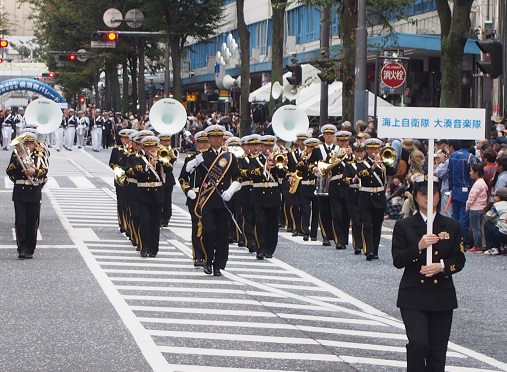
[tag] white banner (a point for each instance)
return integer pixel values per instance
(431, 122)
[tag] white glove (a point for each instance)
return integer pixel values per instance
(227, 195)
(192, 164)
(199, 159)
(191, 194)
(233, 188)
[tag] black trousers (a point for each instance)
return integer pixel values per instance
(167, 206)
(293, 202)
(121, 203)
(357, 234)
(428, 334)
(149, 218)
(26, 222)
(309, 210)
(197, 248)
(372, 219)
(326, 217)
(266, 227)
(215, 236)
(341, 219)
(246, 218)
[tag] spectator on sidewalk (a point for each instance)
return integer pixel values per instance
(495, 227)
(476, 204)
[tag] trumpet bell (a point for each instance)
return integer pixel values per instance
(168, 116)
(44, 114)
(388, 155)
(288, 121)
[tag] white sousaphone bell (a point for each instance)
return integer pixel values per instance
(168, 116)
(288, 121)
(45, 114)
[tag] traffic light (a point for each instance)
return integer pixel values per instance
(327, 73)
(71, 57)
(4, 44)
(297, 74)
(492, 65)
(48, 75)
(82, 99)
(109, 36)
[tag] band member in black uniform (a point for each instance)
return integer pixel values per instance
(190, 182)
(107, 130)
(427, 296)
(293, 199)
(168, 180)
(339, 190)
(221, 181)
(233, 144)
(326, 214)
(147, 170)
(353, 181)
(118, 163)
(251, 146)
(307, 166)
(372, 197)
(266, 197)
(132, 225)
(27, 168)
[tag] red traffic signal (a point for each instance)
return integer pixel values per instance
(82, 100)
(71, 57)
(493, 65)
(109, 36)
(4, 43)
(49, 75)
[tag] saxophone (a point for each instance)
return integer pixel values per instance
(294, 183)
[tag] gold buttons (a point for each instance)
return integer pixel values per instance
(435, 281)
(436, 253)
(422, 281)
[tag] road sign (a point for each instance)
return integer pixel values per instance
(102, 44)
(393, 74)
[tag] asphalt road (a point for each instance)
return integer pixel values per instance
(88, 302)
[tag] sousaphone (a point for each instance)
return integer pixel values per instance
(288, 121)
(168, 116)
(45, 114)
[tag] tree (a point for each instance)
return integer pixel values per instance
(244, 38)
(181, 20)
(455, 28)
(277, 49)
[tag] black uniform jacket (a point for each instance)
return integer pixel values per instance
(26, 192)
(269, 196)
(139, 168)
(232, 174)
(417, 292)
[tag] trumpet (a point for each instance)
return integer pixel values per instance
(165, 155)
(388, 155)
(337, 156)
(280, 158)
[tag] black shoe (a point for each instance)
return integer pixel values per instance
(138, 248)
(357, 251)
(289, 229)
(260, 256)
(207, 269)
(252, 249)
(22, 255)
(28, 256)
(370, 256)
(295, 233)
(152, 255)
(341, 246)
(164, 225)
(326, 242)
(241, 243)
(144, 254)
(313, 239)
(198, 262)
(267, 255)
(217, 272)
(375, 256)
(305, 238)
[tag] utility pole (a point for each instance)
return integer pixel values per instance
(361, 96)
(325, 23)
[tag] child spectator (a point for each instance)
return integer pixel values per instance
(476, 203)
(495, 228)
